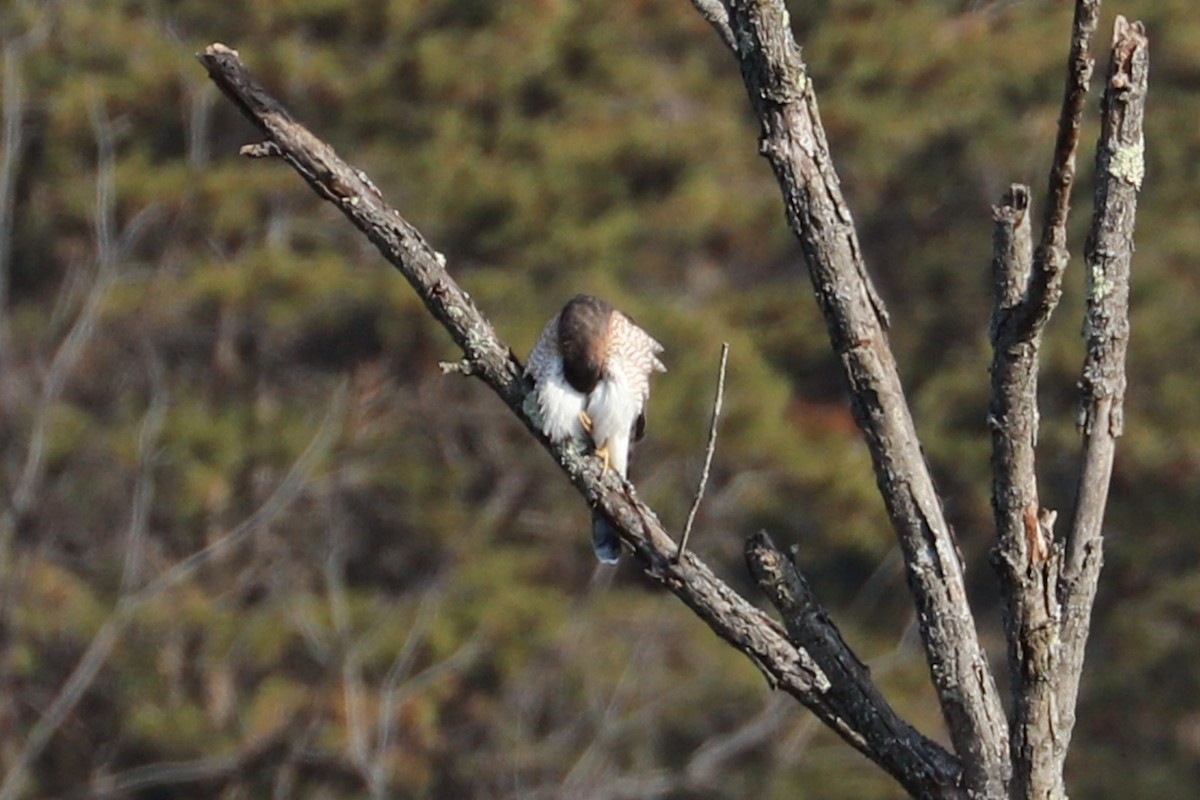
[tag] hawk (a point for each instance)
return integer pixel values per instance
(591, 375)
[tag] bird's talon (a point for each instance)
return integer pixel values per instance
(585, 420)
(602, 454)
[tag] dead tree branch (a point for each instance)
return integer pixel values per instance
(1049, 585)
(1051, 257)
(793, 141)
(1025, 556)
(809, 626)
(1107, 256)
(731, 616)
(1028, 286)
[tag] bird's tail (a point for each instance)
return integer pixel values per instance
(605, 541)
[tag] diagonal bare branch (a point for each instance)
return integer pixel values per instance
(793, 141)
(810, 627)
(731, 616)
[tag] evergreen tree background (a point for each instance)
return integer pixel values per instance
(423, 619)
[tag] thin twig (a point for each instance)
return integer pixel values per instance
(353, 691)
(12, 128)
(143, 491)
(256, 750)
(1051, 257)
(401, 665)
(708, 452)
(10, 159)
(709, 762)
(62, 364)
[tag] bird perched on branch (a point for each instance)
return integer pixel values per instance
(591, 371)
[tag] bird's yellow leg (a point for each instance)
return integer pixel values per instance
(602, 454)
(585, 420)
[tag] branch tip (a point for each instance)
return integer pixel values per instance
(260, 150)
(218, 49)
(461, 367)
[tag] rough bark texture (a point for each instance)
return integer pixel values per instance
(1051, 257)
(1026, 557)
(1107, 257)
(921, 765)
(849, 679)
(793, 141)
(1028, 286)
(1049, 584)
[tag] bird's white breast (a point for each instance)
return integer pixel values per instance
(614, 409)
(560, 406)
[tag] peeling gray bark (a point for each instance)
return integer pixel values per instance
(1026, 556)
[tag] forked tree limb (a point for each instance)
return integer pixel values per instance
(923, 767)
(793, 141)
(1027, 287)
(1042, 288)
(1049, 584)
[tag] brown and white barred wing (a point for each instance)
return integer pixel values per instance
(635, 353)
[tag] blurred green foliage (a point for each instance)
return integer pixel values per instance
(425, 618)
